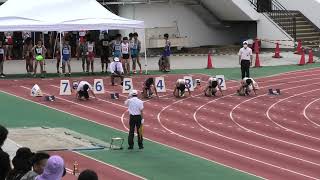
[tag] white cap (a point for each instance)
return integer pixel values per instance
(213, 79)
(116, 59)
(134, 93)
(245, 42)
(181, 81)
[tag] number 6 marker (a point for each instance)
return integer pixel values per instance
(98, 86)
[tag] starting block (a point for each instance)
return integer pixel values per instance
(276, 92)
(116, 139)
(49, 98)
(115, 96)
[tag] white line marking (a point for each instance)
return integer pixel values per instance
(305, 114)
(296, 132)
(74, 116)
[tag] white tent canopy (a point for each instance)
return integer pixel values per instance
(60, 15)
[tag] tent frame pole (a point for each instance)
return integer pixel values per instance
(145, 52)
(60, 42)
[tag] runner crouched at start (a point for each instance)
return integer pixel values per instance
(148, 86)
(247, 86)
(83, 90)
(180, 88)
(212, 86)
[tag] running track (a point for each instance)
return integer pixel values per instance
(273, 137)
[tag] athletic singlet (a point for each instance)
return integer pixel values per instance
(38, 50)
(167, 49)
(90, 47)
(66, 52)
(117, 49)
(1, 54)
(135, 47)
(125, 48)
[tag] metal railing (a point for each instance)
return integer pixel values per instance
(279, 14)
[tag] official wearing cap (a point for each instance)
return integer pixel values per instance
(245, 59)
(135, 107)
(116, 70)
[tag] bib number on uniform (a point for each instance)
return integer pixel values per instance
(222, 82)
(189, 82)
(127, 85)
(90, 48)
(98, 86)
(65, 88)
(160, 84)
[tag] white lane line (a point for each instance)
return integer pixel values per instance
(224, 150)
(77, 117)
(305, 113)
(88, 107)
(266, 136)
(291, 130)
(109, 102)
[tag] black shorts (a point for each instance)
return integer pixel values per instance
(181, 88)
(125, 56)
(84, 94)
(105, 58)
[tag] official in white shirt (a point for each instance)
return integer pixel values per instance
(245, 59)
(116, 70)
(83, 90)
(135, 107)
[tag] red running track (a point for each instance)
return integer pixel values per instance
(273, 137)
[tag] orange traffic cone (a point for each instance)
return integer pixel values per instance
(209, 64)
(310, 57)
(299, 48)
(277, 52)
(257, 63)
(302, 59)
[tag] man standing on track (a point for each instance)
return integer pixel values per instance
(245, 60)
(135, 107)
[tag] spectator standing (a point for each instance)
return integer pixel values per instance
(40, 52)
(21, 163)
(116, 70)
(116, 46)
(105, 52)
(135, 52)
(5, 166)
(28, 55)
(39, 162)
(58, 55)
(245, 60)
(9, 44)
(66, 57)
(166, 53)
(2, 59)
(54, 169)
(91, 55)
(88, 175)
(135, 107)
(125, 51)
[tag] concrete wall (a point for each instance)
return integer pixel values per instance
(232, 10)
(189, 23)
(309, 8)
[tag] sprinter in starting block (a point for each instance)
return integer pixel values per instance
(247, 86)
(149, 88)
(212, 87)
(181, 86)
(83, 90)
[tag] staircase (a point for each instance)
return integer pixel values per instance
(203, 12)
(294, 23)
